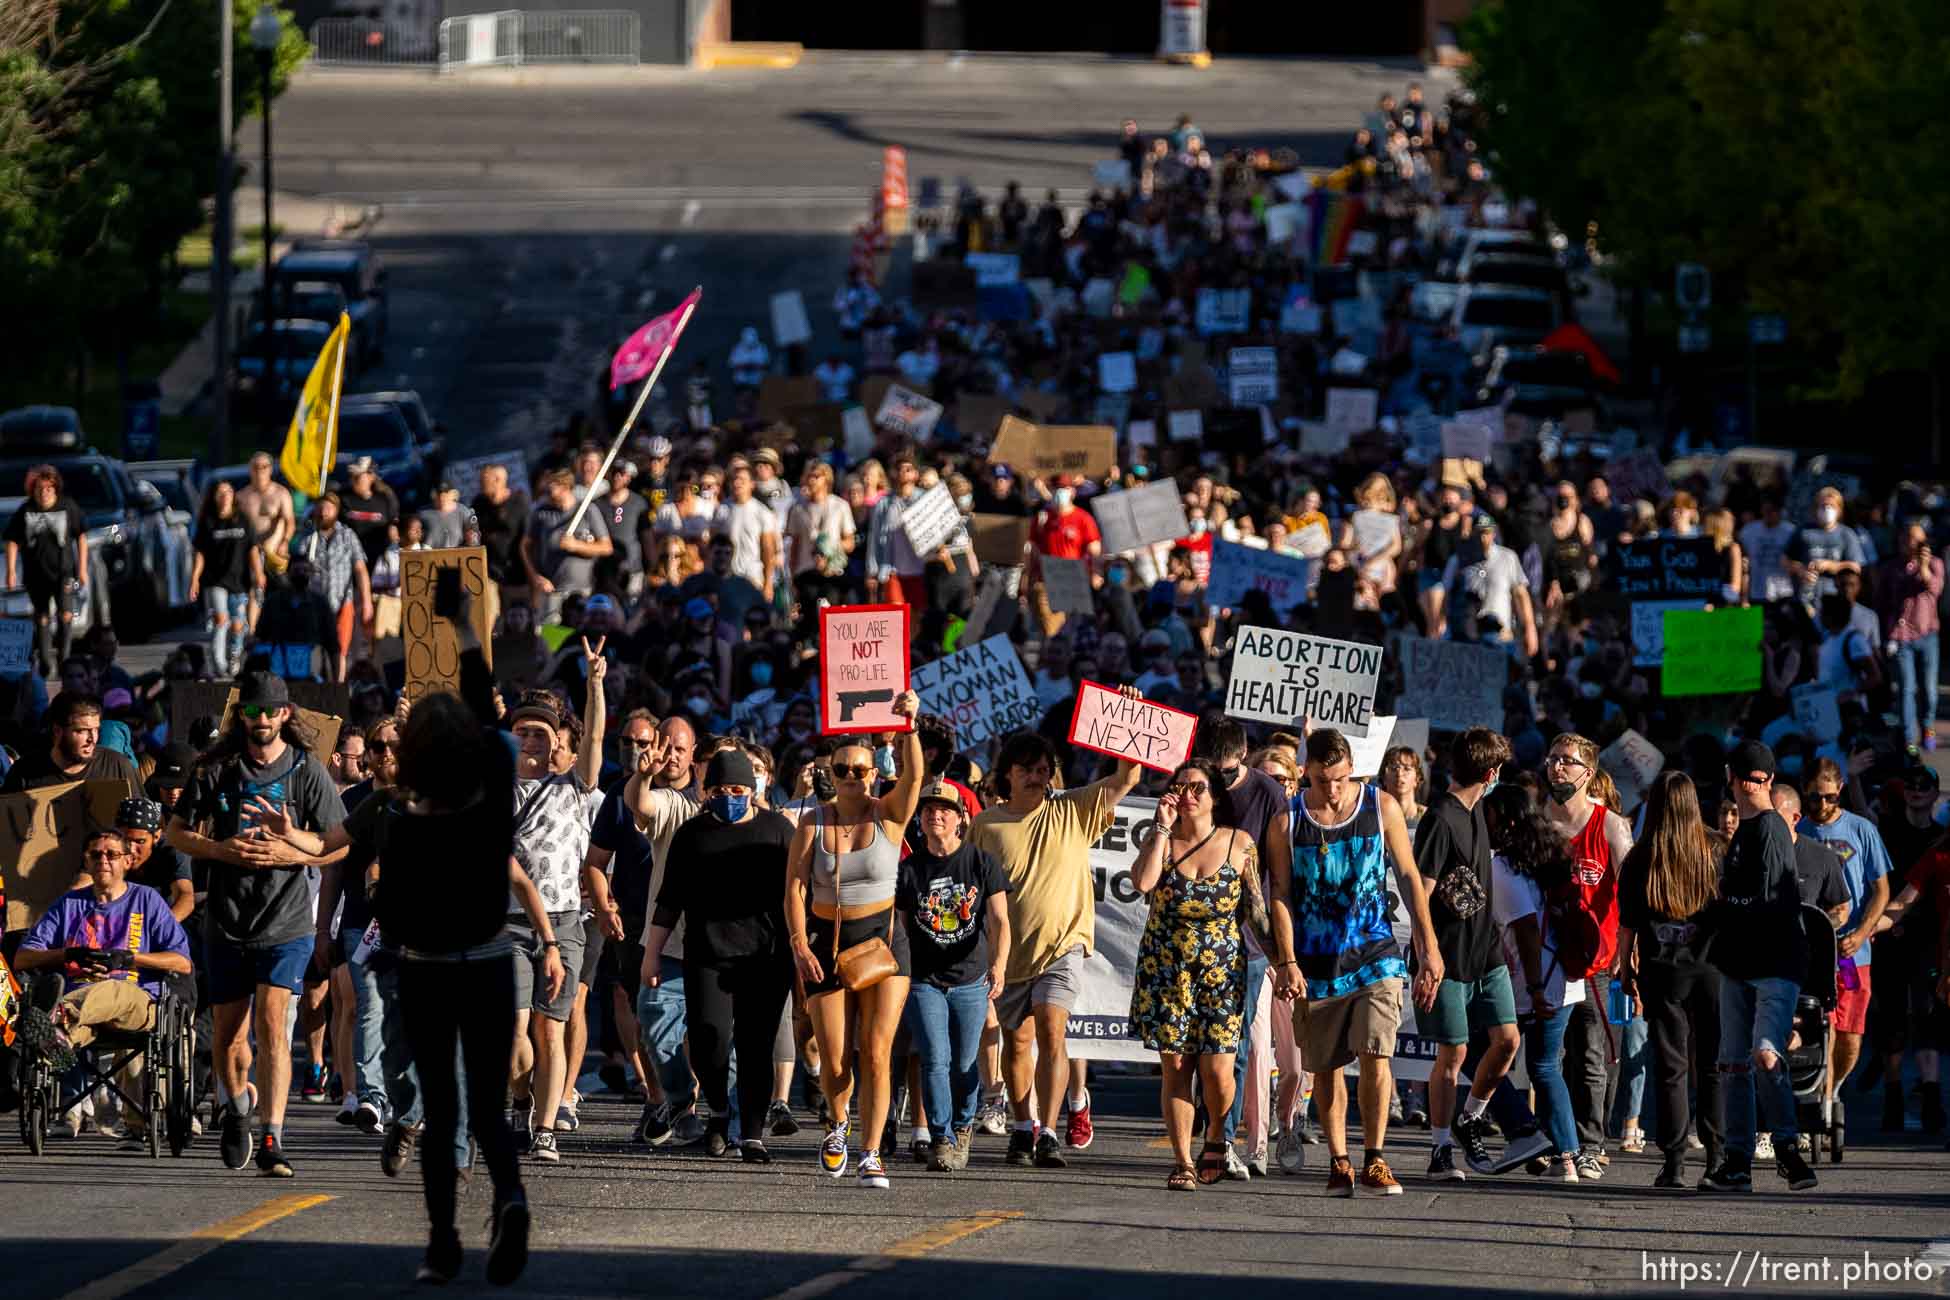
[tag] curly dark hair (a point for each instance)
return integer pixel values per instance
(1224, 813)
(1524, 837)
(937, 741)
(1023, 749)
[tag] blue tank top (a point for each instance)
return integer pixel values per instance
(1340, 900)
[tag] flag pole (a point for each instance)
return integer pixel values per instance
(329, 452)
(636, 410)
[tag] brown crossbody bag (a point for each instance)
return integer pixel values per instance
(870, 961)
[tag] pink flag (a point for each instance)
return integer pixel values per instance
(639, 353)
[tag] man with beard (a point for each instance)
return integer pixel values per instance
(75, 752)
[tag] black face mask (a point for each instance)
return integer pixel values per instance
(1230, 775)
(823, 788)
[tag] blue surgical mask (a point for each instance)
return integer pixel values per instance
(728, 807)
(883, 758)
(761, 673)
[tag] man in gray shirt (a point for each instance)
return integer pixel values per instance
(557, 563)
(448, 523)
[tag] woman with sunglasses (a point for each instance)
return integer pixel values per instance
(1189, 1003)
(844, 869)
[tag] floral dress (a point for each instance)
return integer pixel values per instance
(1190, 993)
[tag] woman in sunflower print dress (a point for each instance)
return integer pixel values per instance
(1189, 1001)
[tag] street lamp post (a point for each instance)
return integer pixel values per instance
(221, 240)
(266, 31)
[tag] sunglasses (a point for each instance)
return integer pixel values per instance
(257, 710)
(1190, 787)
(379, 746)
(1823, 796)
(852, 771)
(628, 743)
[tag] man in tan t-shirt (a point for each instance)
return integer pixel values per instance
(1042, 841)
(267, 504)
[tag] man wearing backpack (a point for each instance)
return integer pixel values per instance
(1599, 840)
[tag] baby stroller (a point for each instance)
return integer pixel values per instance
(1819, 1115)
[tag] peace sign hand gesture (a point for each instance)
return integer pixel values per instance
(593, 661)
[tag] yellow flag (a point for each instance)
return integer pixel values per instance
(314, 437)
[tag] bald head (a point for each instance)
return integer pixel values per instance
(1787, 802)
(676, 771)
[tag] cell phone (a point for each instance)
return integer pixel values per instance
(446, 594)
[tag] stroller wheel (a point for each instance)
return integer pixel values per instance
(1835, 1141)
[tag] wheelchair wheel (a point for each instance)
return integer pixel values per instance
(1835, 1143)
(178, 1102)
(33, 1121)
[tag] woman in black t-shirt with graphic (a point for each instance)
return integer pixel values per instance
(227, 568)
(46, 552)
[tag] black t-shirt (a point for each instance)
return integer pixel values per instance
(727, 881)
(945, 900)
(46, 540)
(225, 545)
(1635, 913)
(1906, 844)
(357, 913)
(370, 519)
(1255, 802)
(630, 862)
(1454, 838)
(253, 908)
(1818, 872)
(502, 528)
(443, 877)
(1757, 923)
(164, 868)
(37, 768)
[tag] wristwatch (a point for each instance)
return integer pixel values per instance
(551, 943)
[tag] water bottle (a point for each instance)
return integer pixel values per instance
(1850, 977)
(1618, 1007)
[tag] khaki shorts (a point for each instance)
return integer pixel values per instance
(1057, 986)
(1333, 1031)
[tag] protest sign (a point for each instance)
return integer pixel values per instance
(1115, 173)
(999, 539)
(1223, 311)
(189, 701)
(1352, 409)
(1238, 569)
(906, 412)
(1362, 243)
(16, 646)
(992, 270)
(431, 640)
(862, 668)
(1300, 317)
(1632, 761)
(1142, 433)
(1185, 426)
(1138, 517)
(856, 432)
(1284, 221)
(1411, 733)
(1318, 439)
(789, 322)
(1067, 585)
(1151, 735)
(930, 519)
(1818, 711)
(466, 474)
(982, 689)
(1667, 568)
(1099, 294)
(1117, 372)
(1454, 684)
(1712, 651)
(42, 832)
(1368, 751)
(1639, 474)
(1649, 629)
(1042, 450)
(1465, 440)
(1285, 677)
(1253, 376)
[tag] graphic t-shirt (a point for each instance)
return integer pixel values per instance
(138, 921)
(253, 908)
(1864, 861)
(1342, 937)
(46, 542)
(225, 545)
(551, 839)
(1818, 872)
(1454, 838)
(946, 899)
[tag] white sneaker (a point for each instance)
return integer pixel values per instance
(1292, 1152)
(1236, 1168)
(1764, 1147)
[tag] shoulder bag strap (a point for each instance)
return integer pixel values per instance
(837, 911)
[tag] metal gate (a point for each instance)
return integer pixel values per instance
(370, 43)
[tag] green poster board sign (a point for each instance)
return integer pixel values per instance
(1712, 651)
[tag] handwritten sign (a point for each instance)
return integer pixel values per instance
(431, 640)
(862, 668)
(16, 646)
(1138, 517)
(931, 519)
(1067, 585)
(466, 474)
(1117, 372)
(999, 539)
(1138, 731)
(1040, 450)
(1465, 440)
(907, 413)
(1238, 569)
(1649, 629)
(982, 689)
(1712, 651)
(1667, 568)
(1454, 684)
(1253, 376)
(1352, 409)
(41, 838)
(1368, 751)
(1186, 426)
(789, 322)
(1632, 762)
(1223, 311)
(1287, 677)
(1818, 711)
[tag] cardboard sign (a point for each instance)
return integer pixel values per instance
(907, 413)
(1638, 475)
(431, 644)
(1667, 568)
(1117, 372)
(982, 689)
(16, 646)
(1465, 441)
(862, 668)
(466, 474)
(857, 432)
(1352, 409)
(1454, 684)
(1649, 629)
(1287, 677)
(930, 520)
(1186, 426)
(993, 270)
(189, 701)
(999, 539)
(778, 395)
(1712, 651)
(1138, 517)
(1223, 311)
(1632, 762)
(1238, 569)
(1818, 711)
(41, 835)
(1067, 585)
(1253, 376)
(1043, 450)
(1368, 751)
(789, 322)
(1137, 731)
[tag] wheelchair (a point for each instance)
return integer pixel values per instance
(166, 1087)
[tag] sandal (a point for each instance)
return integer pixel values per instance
(1212, 1162)
(1182, 1179)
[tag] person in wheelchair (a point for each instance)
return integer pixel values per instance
(113, 946)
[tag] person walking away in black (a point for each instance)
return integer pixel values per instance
(47, 552)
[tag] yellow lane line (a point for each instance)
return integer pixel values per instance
(948, 1233)
(194, 1247)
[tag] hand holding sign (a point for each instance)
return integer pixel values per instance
(1125, 725)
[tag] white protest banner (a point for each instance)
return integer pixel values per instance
(1238, 569)
(1649, 629)
(1138, 517)
(1285, 677)
(16, 647)
(1454, 684)
(1152, 735)
(466, 474)
(862, 667)
(857, 432)
(1117, 372)
(1465, 440)
(1317, 439)
(1067, 585)
(1818, 711)
(789, 322)
(982, 689)
(1284, 221)
(1253, 376)
(1368, 751)
(1632, 762)
(1186, 426)
(930, 519)
(1223, 311)
(1352, 409)
(1100, 1020)
(1142, 433)
(994, 270)
(1115, 173)
(907, 413)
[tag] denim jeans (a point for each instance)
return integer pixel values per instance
(660, 1020)
(945, 1027)
(227, 642)
(1634, 1058)
(368, 1025)
(1916, 666)
(1255, 976)
(1755, 1014)
(1543, 1055)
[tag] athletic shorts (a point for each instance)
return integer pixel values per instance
(1851, 1013)
(625, 962)
(1463, 1005)
(236, 970)
(1056, 986)
(819, 937)
(531, 978)
(1334, 1031)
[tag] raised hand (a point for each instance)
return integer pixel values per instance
(907, 705)
(593, 661)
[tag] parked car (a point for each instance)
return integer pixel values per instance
(273, 363)
(41, 428)
(354, 268)
(1487, 317)
(181, 485)
(407, 445)
(1542, 383)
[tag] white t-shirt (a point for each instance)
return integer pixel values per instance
(1767, 576)
(806, 521)
(744, 523)
(1513, 897)
(1493, 580)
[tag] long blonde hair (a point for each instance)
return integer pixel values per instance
(1376, 493)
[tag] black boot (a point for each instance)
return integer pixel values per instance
(1892, 1107)
(1672, 1178)
(1932, 1106)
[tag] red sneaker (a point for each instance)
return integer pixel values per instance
(1081, 1133)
